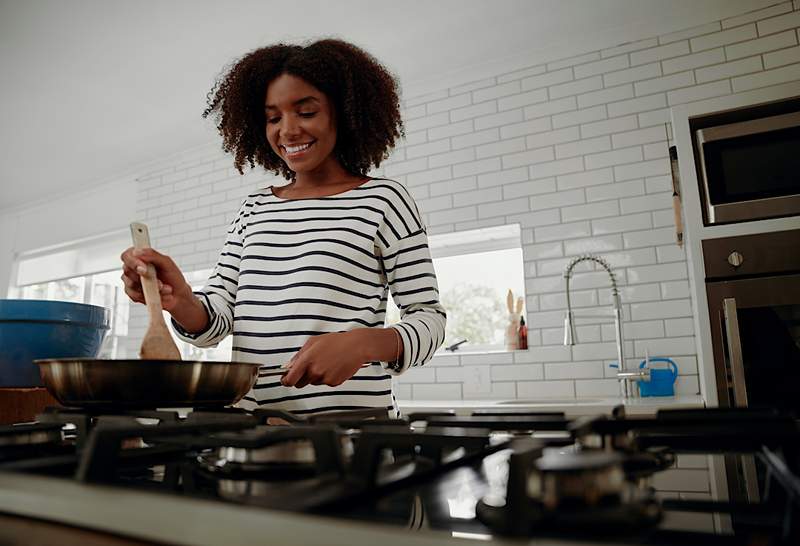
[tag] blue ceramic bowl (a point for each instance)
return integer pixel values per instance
(31, 329)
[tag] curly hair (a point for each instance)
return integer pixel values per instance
(363, 93)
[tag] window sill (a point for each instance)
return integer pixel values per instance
(477, 351)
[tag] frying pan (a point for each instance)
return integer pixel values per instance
(138, 384)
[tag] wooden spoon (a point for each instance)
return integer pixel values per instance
(157, 343)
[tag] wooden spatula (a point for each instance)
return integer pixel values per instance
(157, 343)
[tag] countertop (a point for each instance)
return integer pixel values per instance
(571, 407)
(168, 519)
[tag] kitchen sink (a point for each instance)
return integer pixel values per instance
(543, 401)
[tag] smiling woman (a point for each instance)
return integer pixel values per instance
(360, 92)
(303, 279)
(301, 129)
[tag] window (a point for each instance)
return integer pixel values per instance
(475, 269)
(85, 271)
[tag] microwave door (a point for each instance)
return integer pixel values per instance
(746, 128)
(748, 169)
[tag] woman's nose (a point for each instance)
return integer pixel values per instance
(289, 127)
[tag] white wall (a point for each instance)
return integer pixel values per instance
(575, 151)
(64, 219)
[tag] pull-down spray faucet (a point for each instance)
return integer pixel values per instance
(569, 320)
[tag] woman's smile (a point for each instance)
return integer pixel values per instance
(296, 151)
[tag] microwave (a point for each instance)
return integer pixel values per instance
(749, 163)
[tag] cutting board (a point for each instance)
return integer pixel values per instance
(19, 405)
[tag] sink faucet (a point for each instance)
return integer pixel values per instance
(623, 376)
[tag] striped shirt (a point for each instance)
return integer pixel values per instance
(295, 268)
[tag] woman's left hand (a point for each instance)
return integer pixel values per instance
(326, 359)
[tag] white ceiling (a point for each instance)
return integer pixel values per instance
(93, 89)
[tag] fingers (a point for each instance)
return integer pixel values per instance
(296, 373)
(302, 368)
(137, 259)
(305, 372)
(302, 374)
(151, 256)
(312, 365)
(133, 284)
(132, 262)
(134, 265)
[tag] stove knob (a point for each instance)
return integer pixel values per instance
(735, 259)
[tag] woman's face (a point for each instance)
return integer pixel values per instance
(301, 127)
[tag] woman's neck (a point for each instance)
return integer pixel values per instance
(328, 180)
(329, 173)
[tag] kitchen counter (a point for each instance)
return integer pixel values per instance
(168, 519)
(572, 408)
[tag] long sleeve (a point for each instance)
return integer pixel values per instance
(403, 245)
(218, 296)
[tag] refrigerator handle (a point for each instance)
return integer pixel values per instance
(735, 352)
(739, 391)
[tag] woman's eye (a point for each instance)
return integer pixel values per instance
(273, 120)
(307, 114)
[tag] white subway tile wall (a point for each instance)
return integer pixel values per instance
(576, 151)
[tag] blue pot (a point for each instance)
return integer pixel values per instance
(32, 329)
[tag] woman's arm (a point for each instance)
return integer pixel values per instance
(331, 359)
(376, 344)
(412, 282)
(191, 314)
(176, 294)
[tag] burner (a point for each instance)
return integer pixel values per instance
(577, 491)
(21, 445)
(643, 464)
(278, 467)
(502, 426)
(583, 477)
(290, 451)
(30, 434)
(274, 453)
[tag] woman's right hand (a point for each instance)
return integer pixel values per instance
(172, 285)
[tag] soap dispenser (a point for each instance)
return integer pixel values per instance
(522, 335)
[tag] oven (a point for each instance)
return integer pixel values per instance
(748, 162)
(753, 289)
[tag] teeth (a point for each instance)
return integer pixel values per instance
(295, 149)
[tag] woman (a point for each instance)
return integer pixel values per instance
(302, 279)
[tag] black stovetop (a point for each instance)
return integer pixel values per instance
(503, 474)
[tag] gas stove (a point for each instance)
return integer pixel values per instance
(491, 475)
